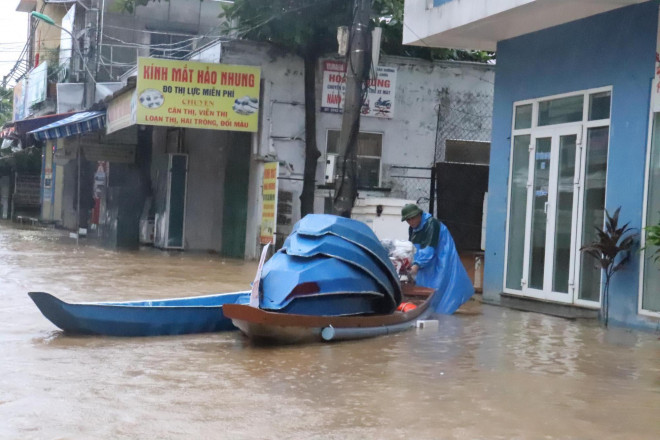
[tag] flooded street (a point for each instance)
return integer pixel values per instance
(495, 374)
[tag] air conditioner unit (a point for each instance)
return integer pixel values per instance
(330, 162)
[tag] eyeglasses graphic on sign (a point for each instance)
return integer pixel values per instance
(246, 105)
(151, 98)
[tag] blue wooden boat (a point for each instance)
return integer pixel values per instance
(175, 316)
(316, 225)
(318, 285)
(285, 328)
(336, 247)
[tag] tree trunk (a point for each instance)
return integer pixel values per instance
(312, 153)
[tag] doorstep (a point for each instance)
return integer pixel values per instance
(568, 311)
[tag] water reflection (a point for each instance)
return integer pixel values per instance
(496, 374)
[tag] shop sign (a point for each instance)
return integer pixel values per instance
(19, 100)
(66, 44)
(36, 84)
(197, 95)
(269, 203)
(122, 112)
(380, 97)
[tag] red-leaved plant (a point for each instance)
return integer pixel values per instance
(611, 242)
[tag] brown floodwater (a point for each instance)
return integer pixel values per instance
(493, 373)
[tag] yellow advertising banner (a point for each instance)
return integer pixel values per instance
(197, 95)
(269, 203)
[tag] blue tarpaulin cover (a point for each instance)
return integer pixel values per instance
(283, 273)
(316, 225)
(336, 247)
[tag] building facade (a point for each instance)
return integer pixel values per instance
(119, 174)
(574, 135)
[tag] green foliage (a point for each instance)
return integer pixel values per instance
(52, 56)
(389, 16)
(306, 27)
(28, 161)
(6, 105)
(653, 239)
(611, 243)
(130, 5)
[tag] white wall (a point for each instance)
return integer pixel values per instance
(282, 126)
(409, 137)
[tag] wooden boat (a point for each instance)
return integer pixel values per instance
(265, 326)
(174, 316)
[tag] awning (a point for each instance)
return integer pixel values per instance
(24, 126)
(78, 123)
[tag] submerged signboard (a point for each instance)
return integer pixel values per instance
(197, 95)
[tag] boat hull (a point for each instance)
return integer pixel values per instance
(284, 328)
(174, 316)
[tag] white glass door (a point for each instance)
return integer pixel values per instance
(550, 238)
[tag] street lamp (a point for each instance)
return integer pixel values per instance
(46, 19)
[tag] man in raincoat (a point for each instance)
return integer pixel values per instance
(436, 263)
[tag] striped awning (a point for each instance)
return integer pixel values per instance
(24, 126)
(79, 123)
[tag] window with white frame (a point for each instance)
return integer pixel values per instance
(369, 149)
(650, 294)
(557, 188)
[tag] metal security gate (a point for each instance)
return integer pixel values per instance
(415, 183)
(460, 199)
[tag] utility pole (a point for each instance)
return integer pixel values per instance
(357, 67)
(91, 52)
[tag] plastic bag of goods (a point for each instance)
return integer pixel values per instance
(401, 254)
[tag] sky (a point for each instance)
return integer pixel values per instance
(13, 33)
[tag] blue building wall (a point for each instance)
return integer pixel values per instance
(615, 49)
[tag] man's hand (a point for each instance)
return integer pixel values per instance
(413, 270)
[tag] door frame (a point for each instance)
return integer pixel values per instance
(533, 131)
(554, 133)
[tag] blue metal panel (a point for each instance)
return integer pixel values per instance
(612, 49)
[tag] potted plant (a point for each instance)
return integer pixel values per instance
(653, 239)
(612, 251)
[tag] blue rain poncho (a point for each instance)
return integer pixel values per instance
(440, 266)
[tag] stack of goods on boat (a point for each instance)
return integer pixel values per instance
(330, 266)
